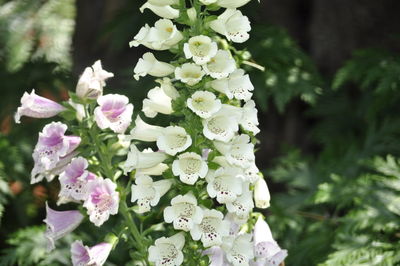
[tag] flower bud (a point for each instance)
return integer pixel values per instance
(261, 194)
(192, 14)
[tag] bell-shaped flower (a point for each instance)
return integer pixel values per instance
(159, 99)
(204, 103)
(52, 151)
(162, 36)
(221, 65)
(232, 3)
(147, 193)
(145, 132)
(102, 200)
(248, 174)
(149, 65)
(216, 256)
(233, 25)
(237, 85)
(59, 224)
(183, 212)
(200, 48)
(92, 81)
(225, 184)
(239, 151)
(174, 139)
(261, 194)
(222, 125)
(189, 167)
(140, 160)
(89, 256)
(189, 73)
(238, 249)
(74, 180)
(266, 250)
(159, 169)
(33, 105)
(212, 228)
(249, 120)
(243, 204)
(167, 250)
(163, 10)
(114, 112)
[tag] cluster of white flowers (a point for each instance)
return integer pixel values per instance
(204, 164)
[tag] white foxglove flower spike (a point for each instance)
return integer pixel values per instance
(189, 167)
(147, 193)
(149, 65)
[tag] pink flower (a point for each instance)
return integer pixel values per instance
(101, 201)
(217, 256)
(114, 112)
(52, 152)
(59, 224)
(92, 81)
(33, 105)
(267, 251)
(74, 180)
(94, 256)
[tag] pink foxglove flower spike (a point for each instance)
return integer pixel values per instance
(59, 224)
(52, 149)
(89, 256)
(33, 105)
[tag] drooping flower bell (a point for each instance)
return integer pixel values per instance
(102, 200)
(237, 85)
(261, 194)
(233, 25)
(221, 65)
(200, 48)
(33, 105)
(204, 103)
(149, 65)
(92, 81)
(167, 250)
(89, 256)
(114, 112)
(59, 224)
(145, 132)
(174, 139)
(162, 8)
(225, 184)
(52, 152)
(142, 160)
(189, 73)
(189, 167)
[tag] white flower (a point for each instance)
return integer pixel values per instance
(162, 36)
(267, 251)
(243, 204)
(222, 125)
(189, 73)
(221, 65)
(114, 112)
(233, 25)
(204, 103)
(145, 132)
(212, 228)
(249, 120)
(174, 139)
(102, 200)
(148, 193)
(225, 184)
(239, 151)
(92, 81)
(183, 212)
(232, 3)
(237, 85)
(201, 48)
(249, 174)
(149, 65)
(238, 249)
(208, 2)
(145, 159)
(261, 194)
(160, 99)
(159, 169)
(189, 167)
(167, 251)
(163, 10)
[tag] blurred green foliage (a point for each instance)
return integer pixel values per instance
(335, 205)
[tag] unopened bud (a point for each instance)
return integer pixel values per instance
(192, 14)
(261, 194)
